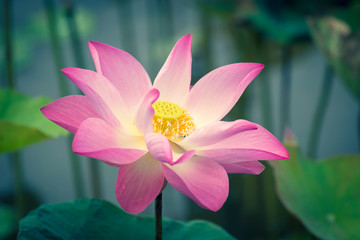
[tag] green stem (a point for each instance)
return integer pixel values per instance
(285, 90)
(74, 34)
(127, 26)
(358, 125)
(250, 198)
(8, 43)
(266, 102)
(320, 111)
(19, 185)
(64, 90)
(76, 170)
(273, 213)
(359, 128)
(95, 178)
(267, 192)
(248, 184)
(166, 11)
(266, 106)
(16, 158)
(207, 50)
(80, 62)
(56, 48)
(158, 217)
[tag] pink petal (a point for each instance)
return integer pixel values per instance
(102, 95)
(139, 183)
(215, 132)
(250, 145)
(96, 138)
(214, 95)
(251, 167)
(233, 155)
(201, 179)
(70, 111)
(173, 80)
(145, 112)
(123, 71)
(183, 157)
(159, 147)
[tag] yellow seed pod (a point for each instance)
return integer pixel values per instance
(172, 121)
(167, 110)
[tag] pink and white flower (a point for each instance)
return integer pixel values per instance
(163, 131)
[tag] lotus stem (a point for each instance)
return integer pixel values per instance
(127, 26)
(74, 33)
(8, 43)
(95, 178)
(77, 171)
(320, 111)
(266, 106)
(271, 204)
(64, 90)
(207, 28)
(158, 217)
(56, 48)
(266, 102)
(19, 185)
(285, 89)
(359, 128)
(15, 156)
(80, 62)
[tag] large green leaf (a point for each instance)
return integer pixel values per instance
(21, 122)
(341, 46)
(324, 195)
(97, 219)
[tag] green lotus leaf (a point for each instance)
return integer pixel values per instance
(22, 123)
(324, 195)
(97, 219)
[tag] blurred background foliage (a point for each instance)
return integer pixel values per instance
(299, 198)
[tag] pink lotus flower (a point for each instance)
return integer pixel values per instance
(163, 131)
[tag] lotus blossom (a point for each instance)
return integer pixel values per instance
(165, 131)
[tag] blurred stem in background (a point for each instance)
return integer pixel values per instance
(8, 43)
(64, 90)
(127, 27)
(19, 185)
(167, 23)
(253, 186)
(55, 43)
(74, 33)
(206, 44)
(285, 89)
(320, 111)
(15, 156)
(259, 200)
(271, 206)
(80, 62)
(260, 203)
(265, 89)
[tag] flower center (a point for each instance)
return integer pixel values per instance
(172, 121)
